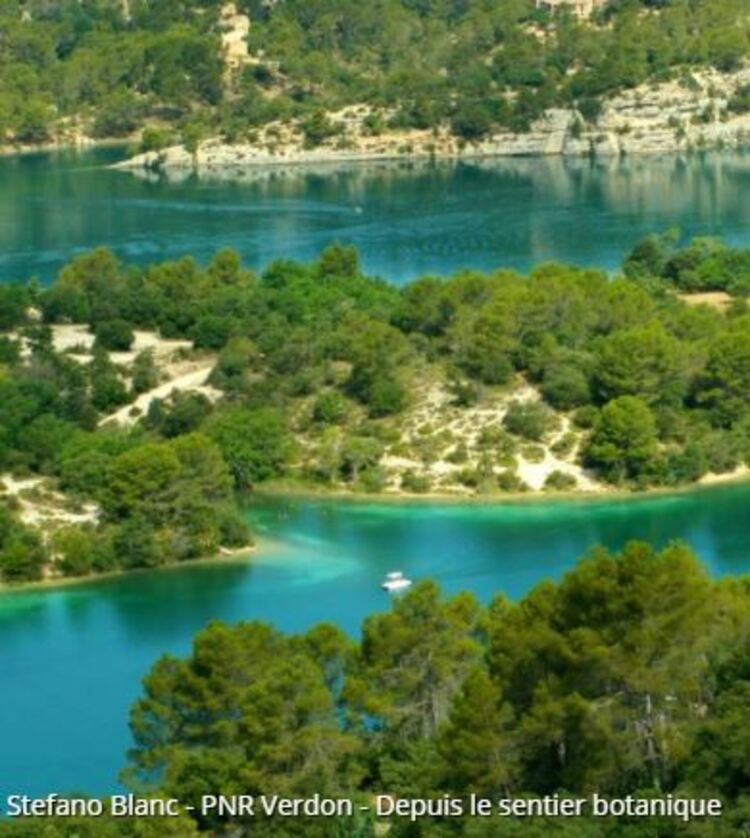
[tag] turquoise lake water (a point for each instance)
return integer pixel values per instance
(71, 659)
(406, 220)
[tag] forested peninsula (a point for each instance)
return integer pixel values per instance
(217, 84)
(629, 677)
(140, 406)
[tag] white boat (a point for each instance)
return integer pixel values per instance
(396, 581)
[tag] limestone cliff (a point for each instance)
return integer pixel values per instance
(692, 113)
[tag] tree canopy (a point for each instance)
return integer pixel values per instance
(318, 368)
(626, 677)
(116, 66)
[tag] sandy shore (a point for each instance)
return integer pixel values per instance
(739, 475)
(303, 492)
(264, 549)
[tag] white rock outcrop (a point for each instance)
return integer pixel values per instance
(683, 115)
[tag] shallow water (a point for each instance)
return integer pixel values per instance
(71, 659)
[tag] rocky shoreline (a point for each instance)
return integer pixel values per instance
(691, 114)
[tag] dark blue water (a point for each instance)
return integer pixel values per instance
(406, 219)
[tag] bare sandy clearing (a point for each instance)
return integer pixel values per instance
(39, 506)
(436, 428)
(70, 336)
(177, 370)
(719, 300)
(162, 348)
(76, 340)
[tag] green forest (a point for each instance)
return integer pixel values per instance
(108, 67)
(628, 677)
(316, 371)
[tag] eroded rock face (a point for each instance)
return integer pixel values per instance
(235, 29)
(674, 116)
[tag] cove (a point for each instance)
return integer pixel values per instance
(71, 658)
(406, 219)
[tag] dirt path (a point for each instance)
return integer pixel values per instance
(189, 377)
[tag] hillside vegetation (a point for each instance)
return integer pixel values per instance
(628, 677)
(183, 386)
(106, 68)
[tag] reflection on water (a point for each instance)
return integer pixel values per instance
(406, 218)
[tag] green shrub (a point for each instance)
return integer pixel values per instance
(468, 477)
(155, 139)
(330, 408)
(145, 373)
(566, 386)
(585, 417)
(211, 331)
(372, 480)
(458, 455)
(465, 393)
(387, 396)
(530, 420)
(317, 128)
(565, 445)
(114, 335)
(533, 453)
(560, 481)
(411, 481)
(740, 101)
(509, 481)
